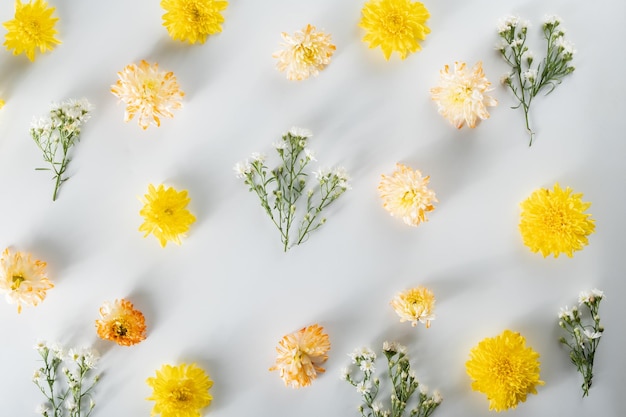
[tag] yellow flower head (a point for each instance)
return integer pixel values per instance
(148, 92)
(415, 304)
(193, 20)
(461, 95)
(120, 323)
(1, 103)
(504, 369)
(405, 194)
(300, 355)
(165, 214)
(395, 25)
(305, 53)
(180, 391)
(555, 222)
(22, 280)
(31, 28)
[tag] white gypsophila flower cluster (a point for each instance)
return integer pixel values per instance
(64, 118)
(586, 297)
(551, 20)
(508, 23)
(300, 132)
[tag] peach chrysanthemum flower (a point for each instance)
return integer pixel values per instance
(148, 92)
(300, 355)
(180, 391)
(23, 280)
(165, 214)
(504, 369)
(555, 222)
(193, 20)
(305, 53)
(120, 323)
(406, 195)
(395, 25)
(461, 97)
(415, 304)
(32, 27)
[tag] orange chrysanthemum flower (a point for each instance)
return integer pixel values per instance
(22, 280)
(148, 93)
(120, 323)
(300, 355)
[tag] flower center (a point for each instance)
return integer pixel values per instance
(308, 54)
(31, 29)
(193, 14)
(394, 23)
(17, 281)
(119, 328)
(503, 369)
(408, 197)
(168, 211)
(180, 394)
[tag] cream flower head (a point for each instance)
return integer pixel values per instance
(305, 53)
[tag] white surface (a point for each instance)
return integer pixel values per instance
(227, 295)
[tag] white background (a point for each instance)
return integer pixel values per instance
(227, 295)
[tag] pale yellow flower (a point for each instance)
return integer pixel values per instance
(193, 20)
(415, 305)
(148, 92)
(300, 355)
(120, 323)
(406, 195)
(504, 369)
(461, 97)
(23, 280)
(32, 27)
(180, 391)
(165, 214)
(395, 25)
(305, 53)
(555, 222)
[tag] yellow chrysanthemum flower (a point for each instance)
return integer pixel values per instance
(180, 391)
(395, 25)
(1, 103)
(120, 323)
(23, 280)
(415, 304)
(305, 53)
(555, 222)
(165, 214)
(148, 92)
(32, 27)
(193, 20)
(504, 369)
(300, 355)
(405, 194)
(461, 96)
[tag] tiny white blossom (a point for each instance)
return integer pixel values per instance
(423, 388)
(73, 354)
(279, 145)
(566, 313)
(256, 156)
(242, 169)
(551, 20)
(528, 56)
(309, 154)
(300, 132)
(43, 409)
(592, 335)
(368, 366)
(530, 75)
(597, 293)
(377, 407)
(70, 404)
(437, 397)
(565, 47)
(363, 387)
(92, 356)
(344, 373)
(583, 297)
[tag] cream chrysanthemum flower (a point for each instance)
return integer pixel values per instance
(165, 214)
(406, 195)
(395, 25)
(504, 369)
(305, 53)
(300, 355)
(555, 222)
(461, 97)
(148, 92)
(32, 27)
(23, 280)
(193, 21)
(180, 391)
(415, 305)
(120, 323)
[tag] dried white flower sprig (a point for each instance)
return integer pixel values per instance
(56, 133)
(525, 79)
(74, 398)
(584, 332)
(403, 380)
(280, 188)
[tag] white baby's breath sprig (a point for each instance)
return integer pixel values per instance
(405, 385)
(279, 189)
(65, 380)
(584, 330)
(526, 80)
(56, 133)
